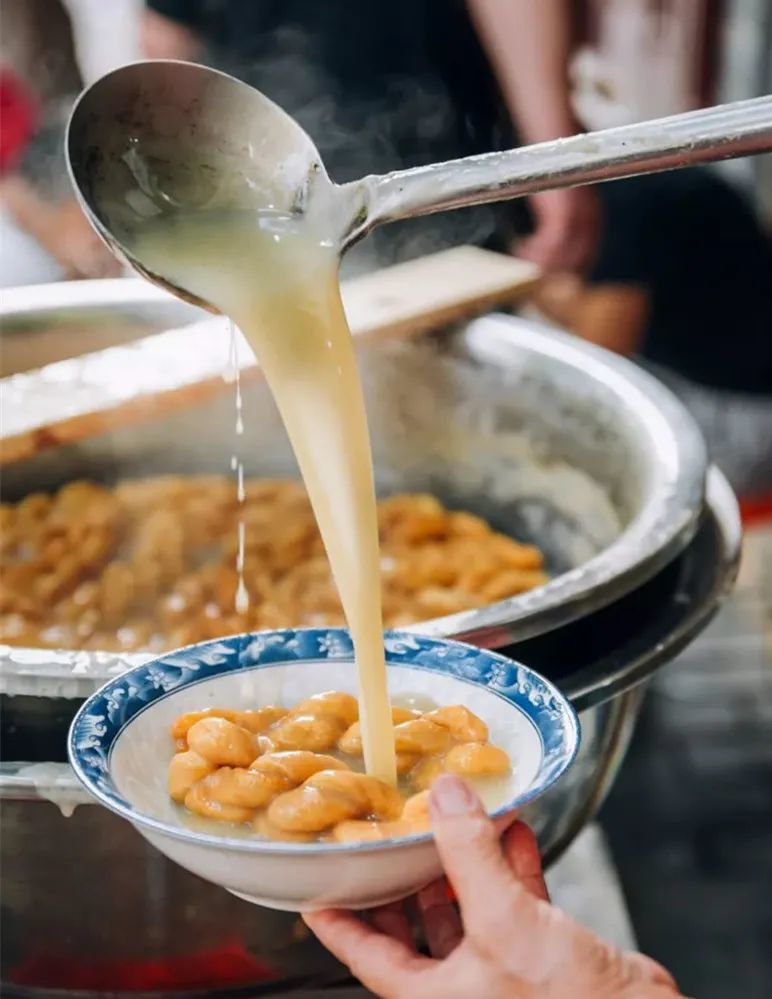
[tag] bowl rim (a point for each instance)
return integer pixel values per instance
(530, 693)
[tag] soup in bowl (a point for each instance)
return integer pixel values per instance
(235, 820)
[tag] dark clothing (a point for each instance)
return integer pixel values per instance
(378, 87)
(694, 243)
(401, 83)
(384, 86)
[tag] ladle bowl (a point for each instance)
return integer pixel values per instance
(158, 136)
(155, 136)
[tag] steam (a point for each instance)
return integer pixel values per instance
(411, 122)
(44, 162)
(402, 122)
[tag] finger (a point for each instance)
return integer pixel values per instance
(531, 249)
(521, 852)
(440, 919)
(648, 970)
(380, 962)
(578, 254)
(392, 921)
(542, 251)
(472, 858)
(554, 248)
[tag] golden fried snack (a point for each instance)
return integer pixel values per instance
(184, 771)
(268, 830)
(406, 762)
(426, 771)
(421, 736)
(150, 564)
(330, 797)
(296, 766)
(268, 776)
(222, 742)
(351, 740)
(237, 786)
(315, 724)
(470, 759)
(220, 792)
(416, 808)
(367, 831)
(414, 819)
(311, 732)
(462, 724)
(255, 721)
(199, 801)
(476, 759)
(233, 773)
(331, 702)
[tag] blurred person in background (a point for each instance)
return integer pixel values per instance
(656, 265)
(45, 236)
(376, 94)
(382, 87)
(690, 239)
(44, 49)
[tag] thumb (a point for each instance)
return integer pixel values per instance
(471, 855)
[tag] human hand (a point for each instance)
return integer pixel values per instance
(567, 229)
(507, 941)
(70, 238)
(61, 229)
(164, 38)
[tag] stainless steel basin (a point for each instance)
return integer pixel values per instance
(550, 439)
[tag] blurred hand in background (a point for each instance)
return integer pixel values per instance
(529, 46)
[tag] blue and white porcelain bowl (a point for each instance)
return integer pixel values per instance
(119, 746)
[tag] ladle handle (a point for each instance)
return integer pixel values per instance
(717, 133)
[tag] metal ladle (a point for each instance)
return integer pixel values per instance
(162, 135)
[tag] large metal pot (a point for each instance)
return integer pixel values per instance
(548, 438)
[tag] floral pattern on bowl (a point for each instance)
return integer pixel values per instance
(117, 745)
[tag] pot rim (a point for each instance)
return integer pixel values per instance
(586, 690)
(606, 679)
(665, 524)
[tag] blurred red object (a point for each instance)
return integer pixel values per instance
(232, 964)
(18, 120)
(756, 510)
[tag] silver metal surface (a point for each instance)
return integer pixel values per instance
(548, 437)
(719, 133)
(132, 905)
(708, 583)
(608, 694)
(163, 135)
(545, 436)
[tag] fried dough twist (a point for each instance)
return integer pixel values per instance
(237, 792)
(332, 796)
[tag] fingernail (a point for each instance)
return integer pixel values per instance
(450, 796)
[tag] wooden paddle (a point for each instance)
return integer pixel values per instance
(92, 394)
